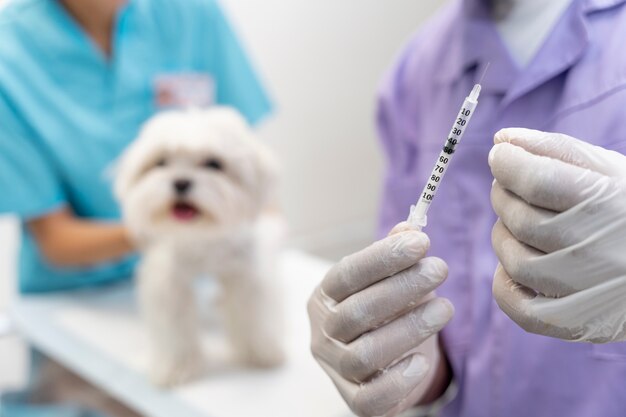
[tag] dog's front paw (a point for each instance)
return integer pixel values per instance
(171, 373)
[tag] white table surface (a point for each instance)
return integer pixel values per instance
(98, 334)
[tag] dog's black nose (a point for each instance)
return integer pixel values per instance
(182, 186)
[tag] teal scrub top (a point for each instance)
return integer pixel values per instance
(67, 110)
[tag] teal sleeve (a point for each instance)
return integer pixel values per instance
(29, 186)
(237, 83)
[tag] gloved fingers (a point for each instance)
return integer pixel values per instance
(524, 264)
(562, 272)
(529, 224)
(385, 300)
(541, 181)
(380, 260)
(514, 300)
(380, 348)
(594, 315)
(385, 394)
(565, 148)
(319, 307)
(574, 317)
(401, 227)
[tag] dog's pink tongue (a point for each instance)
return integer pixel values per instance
(184, 211)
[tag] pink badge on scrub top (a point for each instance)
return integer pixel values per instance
(184, 90)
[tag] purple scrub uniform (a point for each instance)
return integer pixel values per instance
(576, 85)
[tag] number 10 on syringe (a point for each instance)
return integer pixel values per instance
(417, 218)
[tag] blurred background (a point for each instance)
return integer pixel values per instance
(321, 61)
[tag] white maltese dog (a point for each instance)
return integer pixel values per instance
(196, 190)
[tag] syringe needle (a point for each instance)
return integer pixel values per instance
(482, 77)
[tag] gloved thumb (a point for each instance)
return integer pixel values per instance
(565, 148)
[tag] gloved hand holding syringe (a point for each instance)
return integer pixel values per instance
(418, 215)
(373, 334)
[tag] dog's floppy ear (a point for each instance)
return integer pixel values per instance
(135, 160)
(125, 171)
(263, 164)
(267, 168)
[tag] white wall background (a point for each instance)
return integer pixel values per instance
(322, 62)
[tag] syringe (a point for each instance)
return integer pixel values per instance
(417, 217)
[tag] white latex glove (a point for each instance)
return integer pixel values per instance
(561, 236)
(374, 321)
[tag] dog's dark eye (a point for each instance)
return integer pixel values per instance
(214, 164)
(161, 162)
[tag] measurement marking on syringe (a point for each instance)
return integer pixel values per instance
(417, 218)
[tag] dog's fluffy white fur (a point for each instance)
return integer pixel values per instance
(196, 190)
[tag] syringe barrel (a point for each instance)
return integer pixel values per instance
(418, 213)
